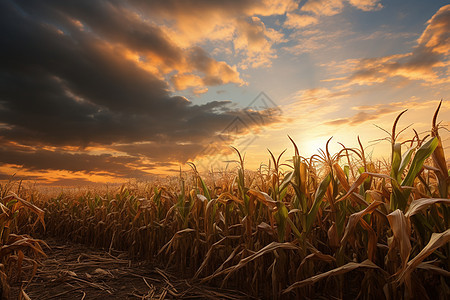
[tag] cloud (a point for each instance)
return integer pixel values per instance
(361, 117)
(216, 73)
(185, 81)
(333, 7)
(367, 113)
(299, 21)
(236, 21)
(323, 7)
(366, 5)
(83, 73)
(38, 160)
(311, 39)
(255, 41)
(427, 62)
(436, 36)
(318, 96)
(309, 105)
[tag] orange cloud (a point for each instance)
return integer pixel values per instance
(436, 36)
(372, 112)
(236, 21)
(428, 61)
(324, 7)
(184, 81)
(255, 41)
(366, 5)
(361, 117)
(333, 7)
(318, 96)
(299, 21)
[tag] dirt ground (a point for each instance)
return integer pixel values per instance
(74, 271)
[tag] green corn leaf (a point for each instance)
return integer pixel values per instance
(396, 160)
(406, 158)
(294, 228)
(346, 171)
(422, 154)
(287, 179)
(320, 193)
(399, 197)
(205, 189)
(280, 216)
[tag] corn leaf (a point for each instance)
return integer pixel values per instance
(338, 271)
(437, 240)
(422, 154)
(320, 193)
(401, 229)
(421, 204)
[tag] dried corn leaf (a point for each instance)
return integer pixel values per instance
(317, 256)
(338, 271)
(437, 240)
(263, 198)
(359, 181)
(421, 204)
(356, 217)
(401, 229)
(429, 266)
(23, 295)
(243, 262)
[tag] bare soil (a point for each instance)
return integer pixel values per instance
(74, 271)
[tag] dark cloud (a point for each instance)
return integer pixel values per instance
(15, 178)
(64, 81)
(39, 160)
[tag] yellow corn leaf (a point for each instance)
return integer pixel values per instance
(341, 176)
(226, 197)
(264, 198)
(359, 181)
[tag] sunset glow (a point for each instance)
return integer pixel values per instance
(112, 91)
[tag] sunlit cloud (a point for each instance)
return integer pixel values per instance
(311, 40)
(366, 5)
(317, 96)
(368, 113)
(294, 20)
(324, 7)
(361, 117)
(256, 42)
(104, 84)
(237, 22)
(333, 7)
(427, 62)
(129, 88)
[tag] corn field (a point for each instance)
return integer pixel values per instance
(328, 226)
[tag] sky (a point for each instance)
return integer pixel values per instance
(110, 91)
